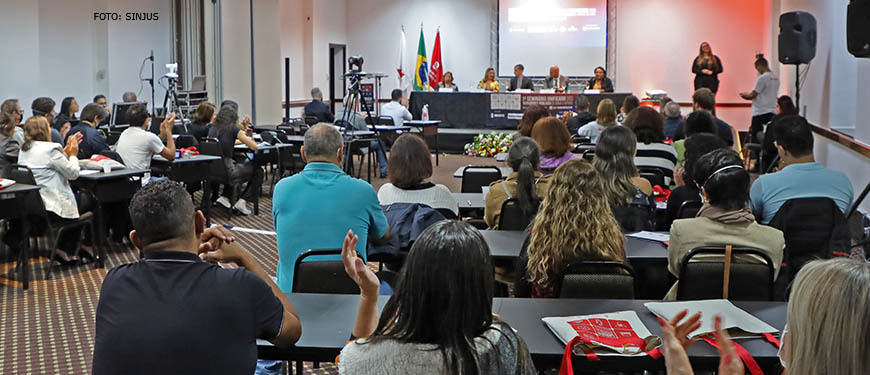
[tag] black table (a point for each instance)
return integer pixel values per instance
(505, 171)
(328, 320)
(507, 244)
(115, 186)
(191, 170)
(475, 110)
(524, 315)
(469, 202)
(13, 207)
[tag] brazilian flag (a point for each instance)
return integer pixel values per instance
(422, 72)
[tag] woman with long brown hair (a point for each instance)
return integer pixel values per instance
(555, 143)
(489, 83)
(707, 68)
(573, 224)
(530, 116)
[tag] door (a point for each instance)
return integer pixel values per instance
(337, 83)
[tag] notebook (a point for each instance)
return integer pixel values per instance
(739, 323)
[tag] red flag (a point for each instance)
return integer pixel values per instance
(436, 73)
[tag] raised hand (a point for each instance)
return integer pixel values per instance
(357, 269)
(680, 176)
(167, 124)
(676, 341)
(72, 145)
(729, 362)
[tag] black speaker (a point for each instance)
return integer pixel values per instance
(858, 28)
(797, 38)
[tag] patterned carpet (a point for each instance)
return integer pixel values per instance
(49, 328)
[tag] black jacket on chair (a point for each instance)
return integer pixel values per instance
(407, 221)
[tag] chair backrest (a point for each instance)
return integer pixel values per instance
(113, 136)
(386, 120)
(475, 177)
(447, 213)
(583, 147)
(596, 280)
(371, 121)
(655, 176)
(813, 228)
(580, 139)
(311, 120)
(588, 155)
(322, 276)
(702, 273)
(32, 203)
(269, 137)
(114, 155)
(218, 169)
(512, 217)
(185, 141)
(689, 209)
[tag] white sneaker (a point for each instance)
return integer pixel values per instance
(223, 201)
(240, 206)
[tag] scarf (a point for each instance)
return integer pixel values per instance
(741, 216)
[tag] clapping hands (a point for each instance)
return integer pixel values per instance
(356, 268)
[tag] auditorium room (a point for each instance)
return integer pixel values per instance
(271, 187)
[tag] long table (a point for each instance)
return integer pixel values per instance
(328, 320)
(479, 110)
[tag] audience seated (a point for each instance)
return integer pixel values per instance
(530, 116)
(554, 142)
(688, 184)
(526, 183)
(410, 168)
(583, 115)
(53, 167)
(103, 102)
(629, 104)
(828, 320)
(439, 319)
(652, 151)
(663, 104)
(725, 218)
(313, 208)
(12, 107)
(397, 108)
(317, 108)
(11, 139)
(67, 116)
(355, 120)
(129, 97)
(673, 119)
(175, 311)
(704, 99)
(606, 117)
(784, 107)
(572, 225)
(137, 145)
(240, 172)
(696, 123)
(799, 176)
(203, 117)
(630, 196)
(93, 141)
(44, 107)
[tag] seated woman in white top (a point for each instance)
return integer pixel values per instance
(606, 117)
(439, 319)
(53, 167)
(409, 168)
(725, 218)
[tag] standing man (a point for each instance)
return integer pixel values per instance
(763, 97)
(317, 108)
(397, 108)
(519, 81)
(556, 81)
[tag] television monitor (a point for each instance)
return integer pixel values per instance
(119, 113)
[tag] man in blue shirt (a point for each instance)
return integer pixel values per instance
(314, 209)
(93, 141)
(317, 108)
(800, 176)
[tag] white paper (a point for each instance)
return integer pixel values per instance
(523, 90)
(732, 316)
(485, 190)
(5, 183)
(445, 89)
(591, 91)
(85, 172)
(565, 332)
(548, 91)
(661, 205)
(653, 236)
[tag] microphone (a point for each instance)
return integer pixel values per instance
(152, 55)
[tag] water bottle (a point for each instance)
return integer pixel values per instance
(426, 112)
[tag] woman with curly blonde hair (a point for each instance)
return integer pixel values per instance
(574, 223)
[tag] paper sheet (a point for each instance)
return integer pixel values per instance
(652, 236)
(732, 316)
(562, 327)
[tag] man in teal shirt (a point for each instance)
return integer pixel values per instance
(800, 176)
(314, 209)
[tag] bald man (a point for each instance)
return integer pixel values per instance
(556, 81)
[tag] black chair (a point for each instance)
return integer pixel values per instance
(185, 141)
(322, 276)
(360, 147)
(512, 217)
(655, 176)
(219, 172)
(814, 228)
(703, 278)
(447, 213)
(114, 155)
(311, 120)
(580, 139)
(24, 175)
(583, 147)
(596, 280)
(386, 120)
(475, 177)
(113, 136)
(589, 155)
(689, 209)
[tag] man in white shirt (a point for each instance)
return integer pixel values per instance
(137, 145)
(763, 97)
(397, 109)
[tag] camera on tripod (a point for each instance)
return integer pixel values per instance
(356, 63)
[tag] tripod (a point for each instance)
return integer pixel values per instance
(172, 91)
(354, 95)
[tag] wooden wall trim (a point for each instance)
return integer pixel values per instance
(842, 139)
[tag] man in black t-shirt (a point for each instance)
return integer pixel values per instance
(174, 313)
